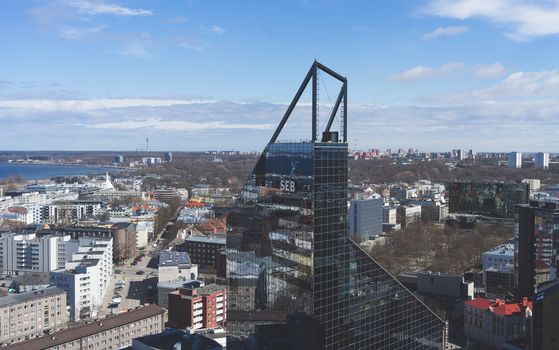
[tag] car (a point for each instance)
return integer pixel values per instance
(140, 272)
(117, 300)
(113, 305)
(118, 272)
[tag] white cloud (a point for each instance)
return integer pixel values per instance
(490, 70)
(176, 125)
(214, 29)
(94, 104)
(525, 19)
(90, 7)
(135, 49)
(446, 31)
(519, 86)
(422, 72)
(80, 33)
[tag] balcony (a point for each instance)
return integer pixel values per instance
(198, 312)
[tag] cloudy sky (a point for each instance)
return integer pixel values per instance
(204, 74)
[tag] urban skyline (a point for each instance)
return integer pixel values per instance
(438, 73)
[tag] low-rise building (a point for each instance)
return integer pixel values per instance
(115, 332)
(501, 255)
(496, 323)
(166, 287)
(175, 266)
(28, 315)
(406, 214)
(196, 307)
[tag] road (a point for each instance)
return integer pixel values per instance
(138, 278)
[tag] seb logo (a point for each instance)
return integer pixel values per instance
(287, 186)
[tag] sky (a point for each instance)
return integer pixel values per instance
(198, 75)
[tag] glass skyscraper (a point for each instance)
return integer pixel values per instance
(295, 278)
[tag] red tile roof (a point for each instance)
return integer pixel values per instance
(499, 307)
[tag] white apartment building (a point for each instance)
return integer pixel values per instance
(71, 211)
(26, 198)
(26, 252)
(86, 276)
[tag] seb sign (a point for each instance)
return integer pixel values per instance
(287, 186)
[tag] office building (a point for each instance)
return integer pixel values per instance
(86, 277)
(203, 249)
(537, 245)
(407, 214)
(499, 282)
(197, 307)
(541, 160)
(545, 322)
(118, 159)
(28, 315)
(515, 160)
(115, 332)
(365, 218)
(497, 323)
(289, 252)
(494, 199)
(501, 255)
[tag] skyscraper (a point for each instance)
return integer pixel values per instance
(537, 246)
(541, 160)
(515, 160)
(289, 256)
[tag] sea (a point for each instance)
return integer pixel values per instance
(47, 171)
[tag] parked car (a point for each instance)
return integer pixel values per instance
(118, 272)
(117, 299)
(140, 272)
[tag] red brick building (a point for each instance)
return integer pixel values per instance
(198, 307)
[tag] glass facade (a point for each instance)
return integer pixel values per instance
(289, 255)
(537, 246)
(491, 199)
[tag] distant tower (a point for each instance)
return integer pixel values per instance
(541, 160)
(147, 144)
(515, 160)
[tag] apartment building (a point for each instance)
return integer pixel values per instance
(198, 307)
(28, 315)
(28, 252)
(86, 276)
(111, 333)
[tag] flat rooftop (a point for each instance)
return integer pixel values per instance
(12, 299)
(174, 258)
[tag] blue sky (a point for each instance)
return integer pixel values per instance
(198, 75)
